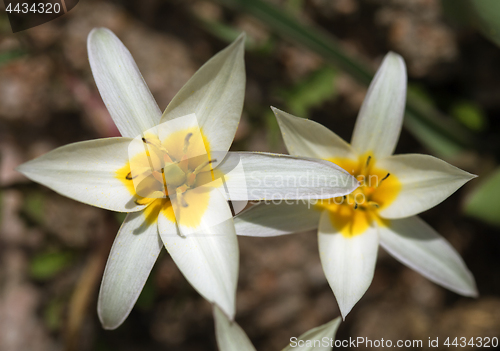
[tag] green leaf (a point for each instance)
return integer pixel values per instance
(431, 139)
(6, 57)
(470, 115)
(487, 18)
(34, 205)
(53, 314)
(311, 92)
(313, 340)
(120, 216)
(484, 202)
(272, 129)
(146, 299)
(46, 265)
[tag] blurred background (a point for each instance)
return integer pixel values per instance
(313, 58)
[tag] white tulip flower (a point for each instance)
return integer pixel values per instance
(394, 188)
(173, 174)
(230, 336)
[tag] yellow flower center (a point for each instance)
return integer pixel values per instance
(171, 170)
(352, 214)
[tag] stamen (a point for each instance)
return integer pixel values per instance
(203, 165)
(156, 144)
(356, 206)
(129, 176)
(186, 142)
(387, 176)
(363, 172)
(374, 204)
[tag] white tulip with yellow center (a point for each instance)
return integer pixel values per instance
(394, 188)
(231, 337)
(174, 175)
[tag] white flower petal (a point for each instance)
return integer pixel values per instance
(285, 217)
(348, 262)
(86, 172)
(271, 176)
(215, 94)
(379, 121)
(124, 91)
(133, 255)
(417, 245)
(208, 254)
(316, 337)
(229, 335)
(310, 139)
(425, 182)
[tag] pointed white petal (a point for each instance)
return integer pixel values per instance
(348, 262)
(130, 261)
(229, 335)
(310, 139)
(278, 218)
(379, 121)
(215, 94)
(272, 176)
(86, 172)
(417, 245)
(320, 338)
(124, 91)
(425, 182)
(208, 254)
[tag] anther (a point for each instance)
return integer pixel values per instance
(356, 206)
(374, 204)
(368, 161)
(387, 176)
(129, 176)
(143, 201)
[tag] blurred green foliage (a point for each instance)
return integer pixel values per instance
(301, 98)
(7, 56)
(486, 17)
(147, 297)
(34, 206)
(310, 92)
(53, 313)
(46, 265)
(484, 202)
(120, 216)
(470, 115)
(447, 136)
